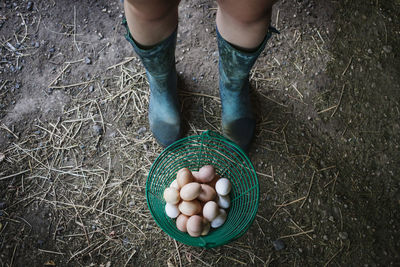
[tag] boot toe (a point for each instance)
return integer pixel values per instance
(166, 132)
(241, 131)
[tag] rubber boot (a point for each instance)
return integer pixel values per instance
(159, 62)
(238, 122)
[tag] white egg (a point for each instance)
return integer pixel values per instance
(224, 201)
(220, 219)
(223, 186)
(171, 210)
(210, 210)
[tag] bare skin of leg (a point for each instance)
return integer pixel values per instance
(151, 21)
(244, 23)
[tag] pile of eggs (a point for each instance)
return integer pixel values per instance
(198, 200)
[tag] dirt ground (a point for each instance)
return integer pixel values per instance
(75, 146)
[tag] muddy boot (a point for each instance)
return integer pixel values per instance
(159, 62)
(238, 122)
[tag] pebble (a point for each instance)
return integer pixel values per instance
(97, 129)
(141, 130)
(278, 244)
(88, 60)
(52, 50)
(343, 235)
(91, 88)
(325, 237)
(29, 6)
(387, 49)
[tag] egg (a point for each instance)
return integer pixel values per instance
(220, 219)
(210, 210)
(174, 184)
(181, 222)
(171, 195)
(194, 225)
(184, 176)
(207, 193)
(206, 227)
(190, 208)
(223, 186)
(205, 174)
(224, 201)
(171, 210)
(190, 191)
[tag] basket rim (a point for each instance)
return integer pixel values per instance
(201, 242)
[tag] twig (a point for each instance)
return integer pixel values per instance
(130, 257)
(298, 227)
(58, 75)
(71, 85)
(340, 100)
(13, 175)
(291, 202)
(266, 175)
(75, 30)
(51, 252)
(179, 255)
(297, 234)
(8, 130)
(347, 67)
(334, 255)
(309, 189)
(129, 59)
(12, 258)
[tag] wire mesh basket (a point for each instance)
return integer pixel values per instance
(229, 161)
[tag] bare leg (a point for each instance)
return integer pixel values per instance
(151, 21)
(244, 23)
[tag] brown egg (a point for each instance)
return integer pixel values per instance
(184, 176)
(194, 225)
(205, 174)
(171, 195)
(190, 191)
(190, 208)
(174, 184)
(181, 222)
(207, 193)
(210, 210)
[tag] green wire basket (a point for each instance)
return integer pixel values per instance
(229, 161)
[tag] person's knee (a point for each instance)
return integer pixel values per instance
(246, 12)
(152, 10)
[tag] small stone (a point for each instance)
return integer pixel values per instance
(278, 244)
(343, 235)
(52, 50)
(387, 49)
(17, 86)
(37, 44)
(97, 129)
(325, 237)
(141, 130)
(88, 60)
(91, 88)
(29, 6)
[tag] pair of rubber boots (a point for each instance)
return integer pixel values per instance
(238, 122)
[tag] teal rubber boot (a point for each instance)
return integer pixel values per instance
(238, 122)
(159, 62)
